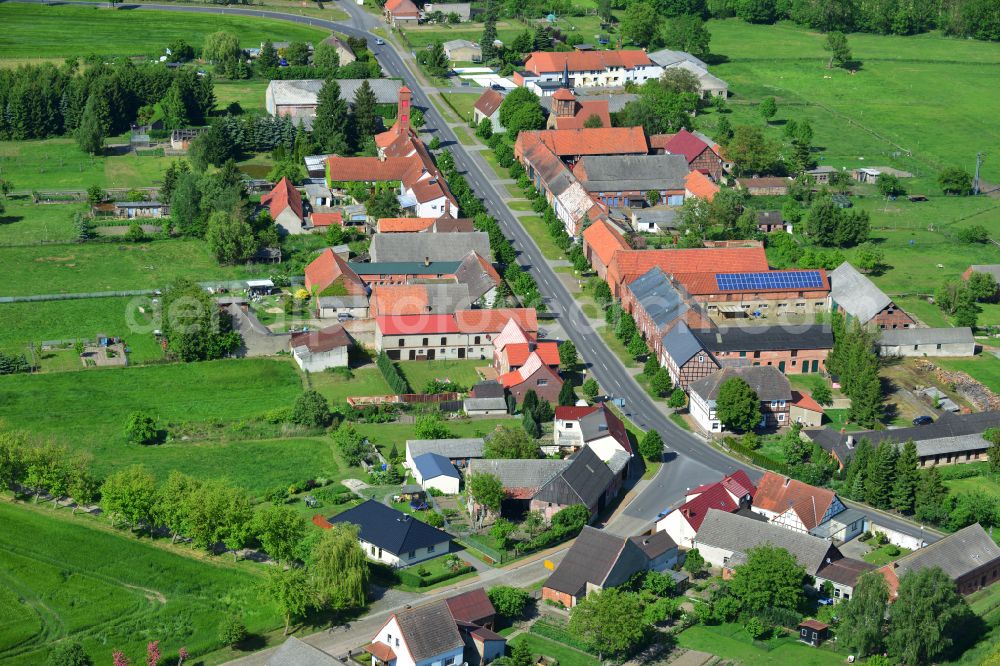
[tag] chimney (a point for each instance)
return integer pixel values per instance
(427, 261)
(850, 441)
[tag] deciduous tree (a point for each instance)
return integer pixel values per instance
(840, 52)
(129, 494)
(312, 409)
(770, 578)
(511, 443)
(508, 601)
(338, 569)
(651, 445)
(279, 529)
(862, 618)
(737, 406)
(487, 491)
(925, 618)
(687, 33)
(609, 622)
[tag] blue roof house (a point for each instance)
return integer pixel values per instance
(433, 470)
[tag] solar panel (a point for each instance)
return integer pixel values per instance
(769, 280)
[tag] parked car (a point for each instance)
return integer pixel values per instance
(379, 41)
(923, 420)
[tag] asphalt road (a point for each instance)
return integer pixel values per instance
(691, 462)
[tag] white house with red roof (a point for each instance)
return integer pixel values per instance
(546, 71)
(513, 347)
(462, 334)
(594, 426)
(284, 203)
(733, 493)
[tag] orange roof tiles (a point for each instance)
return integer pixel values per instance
(366, 169)
(401, 8)
(541, 62)
(593, 141)
(518, 353)
(284, 195)
(777, 493)
(605, 240)
(326, 269)
(699, 185)
(806, 401)
(627, 266)
(584, 110)
(533, 364)
(564, 95)
(489, 102)
(399, 300)
(327, 219)
(389, 225)
(493, 321)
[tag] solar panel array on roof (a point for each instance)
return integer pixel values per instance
(771, 280)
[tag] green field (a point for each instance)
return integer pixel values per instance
(985, 368)
(426, 35)
(34, 31)
(384, 435)
(366, 381)
(730, 641)
(24, 222)
(565, 655)
(96, 267)
(65, 579)
(463, 373)
(87, 410)
(249, 94)
(26, 323)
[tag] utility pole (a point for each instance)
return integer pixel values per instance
(975, 181)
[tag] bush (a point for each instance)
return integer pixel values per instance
(434, 519)
(312, 409)
(393, 377)
(755, 629)
(881, 539)
(232, 631)
(140, 428)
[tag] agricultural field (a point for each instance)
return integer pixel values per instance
(24, 222)
(57, 32)
(64, 578)
(96, 267)
(30, 323)
(423, 36)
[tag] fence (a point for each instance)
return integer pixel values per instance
(403, 398)
(897, 538)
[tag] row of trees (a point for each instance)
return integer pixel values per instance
(853, 360)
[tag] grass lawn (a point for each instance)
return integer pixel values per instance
(520, 204)
(985, 368)
(461, 103)
(34, 31)
(26, 323)
(87, 410)
(565, 655)
(112, 592)
(249, 94)
(614, 344)
(424, 36)
(540, 234)
(366, 381)
(975, 485)
(730, 641)
(491, 159)
(89, 267)
(928, 313)
(59, 164)
(883, 554)
(384, 435)
(463, 373)
(25, 222)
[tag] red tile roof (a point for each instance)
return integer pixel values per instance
(284, 195)
(402, 8)
(701, 186)
(381, 651)
(806, 401)
(322, 340)
(591, 141)
(777, 493)
(605, 240)
(533, 365)
(399, 299)
(366, 169)
(685, 143)
(659, 141)
(573, 413)
(489, 102)
(389, 225)
(584, 110)
(327, 219)
(564, 95)
(493, 321)
(541, 62)
(471, 606)
(715, 497)
(518, 353)
(423, 324)
(326, 269)
(628, 266)
(739, 484)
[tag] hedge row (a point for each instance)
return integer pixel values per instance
(756, 457)
(407, 577)
(393, 377)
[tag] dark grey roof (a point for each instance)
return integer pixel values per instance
(472, 274)
(598, 558)
(659, 298)
(429, 630)
(615, 102)
(856, 294)
(951, 433)
(771, 217)
(306, 91)
(490, 389)
(419, 247)
(519, 473)
(737, 534)
(583, 481)
(927, 336)
(663, 218)
(614, 173)
(654, 544)
(766, 338)
(404, 267)
(845, 571)
(680, 344)
(671, 58)
(767, 381)
(474, 404)
(957, 554)
(390, 529)
(469, 447)
(295, 652)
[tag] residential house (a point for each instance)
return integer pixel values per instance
(656, 219)
(298, 98)
(462, 50)
(486, 399)
(425, 635)
(769, 186)
(428, 247)
(464, 334)
(284, 203)
(626, 180)
(475, 616)
(685, 357)
(770, 385)
(627, 267)
(799, 506)
(457, 451)
(513, 346)
(702, 154)
(433, 470)
(662, 553)
(418, 299)
(567, 111)
(571, 145)
(724, 539)
(952, 439)
(534, 375)
(734, 494)
(335, 287)
(595, 427)
(800, 349)
(461, 9)
(393, 537)
(709, 85)
(480, 278)
(600, 242)
(761, 294)
(473, 607)
(805, 410)
(772, 220)
(295, 652)
(860, 299)
(699, 186)
(521, 480)
(344, 51)
(599, 560)
(586, 69)
(401, 13)
(927, 342)
(315, 351)
(488, 106)
(969, 557)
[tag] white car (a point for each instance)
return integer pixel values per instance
(379, 41)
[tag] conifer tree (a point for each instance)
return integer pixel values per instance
(904, 489)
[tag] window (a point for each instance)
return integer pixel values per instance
(411, 555)
(402, 342)
(449, 661)
(475, 341)
(424, 343)
(938, 345)
(774, 403)
(543, 382)
(397, 642)
(701, 358)
(430, 549)
(388, 638)
(781, 403)
(795, 352)
(781, 418)
(373, 550)
(444, 341)
(743, 354)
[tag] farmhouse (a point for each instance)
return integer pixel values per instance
(586, 69)
(417, 247)
(400, 13)
(952, 439)
(927, 342)
(684, 356)
(798, 506)
(488, 106)
(768, 383)
(760, 295)
(570, 112)
(572, 144)
(533, 375)
(709, 85)
(464, 334)
(969, 557)
(513, 345)
(596, 427)
(284, 203)
(600, 242)
(792, 349)
(658, 306)
(860, 299)
(702, 154)
(627, 267)
(417, 299)
(344, 51)
(393, 537)
(733, 493)
(315, 351)
(626, 180)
